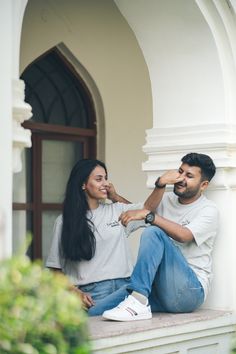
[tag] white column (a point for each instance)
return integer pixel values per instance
(190, 50)
(11, 16)
(221, 18)
(6, 127)
(21, 112)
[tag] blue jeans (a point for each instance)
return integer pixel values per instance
(101, 289)
(162, 274)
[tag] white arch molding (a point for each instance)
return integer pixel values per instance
(221, 18)
(165, 142)
(213, 133)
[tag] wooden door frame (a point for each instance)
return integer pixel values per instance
(42, 132)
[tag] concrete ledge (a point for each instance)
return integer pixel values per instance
(201, 332)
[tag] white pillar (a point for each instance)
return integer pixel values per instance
(6, 126)
(21, 112)
(221, 18)
(190, 50)
(11, 16)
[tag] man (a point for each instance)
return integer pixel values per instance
(173, 269)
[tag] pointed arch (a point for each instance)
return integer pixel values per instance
(95, 94)
(66, 108)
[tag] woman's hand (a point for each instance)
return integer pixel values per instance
(113, 196)
(111, 192)
(85, 297)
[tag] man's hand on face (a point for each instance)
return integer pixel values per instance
(171, 177)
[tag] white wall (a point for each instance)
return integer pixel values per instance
(189, 47)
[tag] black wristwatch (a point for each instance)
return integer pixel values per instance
(158, 185)
(149, 218)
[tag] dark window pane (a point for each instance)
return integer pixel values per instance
(55, 94)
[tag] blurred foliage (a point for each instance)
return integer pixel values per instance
(234, 344)
(38, 314)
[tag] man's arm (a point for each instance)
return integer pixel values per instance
(172, 229)
(154, 199)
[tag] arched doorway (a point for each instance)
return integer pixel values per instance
(63, 129)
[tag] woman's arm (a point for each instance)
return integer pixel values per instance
(114, 197)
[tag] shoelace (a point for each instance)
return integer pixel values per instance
(121, 305)
(124, 304)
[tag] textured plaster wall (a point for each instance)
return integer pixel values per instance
(98, 36)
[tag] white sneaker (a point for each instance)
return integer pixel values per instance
(129, 310)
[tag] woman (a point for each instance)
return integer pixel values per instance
(89, 243)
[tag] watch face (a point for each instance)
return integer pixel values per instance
(150, 218)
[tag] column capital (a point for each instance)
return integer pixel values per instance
(166, 146)
(21, 111)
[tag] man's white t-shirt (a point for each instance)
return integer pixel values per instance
(112, 257)
(201, 218)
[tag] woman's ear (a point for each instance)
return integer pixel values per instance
(83, 187)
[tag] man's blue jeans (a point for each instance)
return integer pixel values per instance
(162, 274)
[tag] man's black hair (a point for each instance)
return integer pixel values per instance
(205, 163)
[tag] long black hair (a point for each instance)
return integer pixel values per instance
(77, 238)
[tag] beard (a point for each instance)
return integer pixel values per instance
(187, 193)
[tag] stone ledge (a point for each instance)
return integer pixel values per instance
(208, 330)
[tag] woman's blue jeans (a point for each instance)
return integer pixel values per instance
(162, 274)
(101, 289)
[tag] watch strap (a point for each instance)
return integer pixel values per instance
(158, 185)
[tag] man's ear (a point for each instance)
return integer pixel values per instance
(204, 185)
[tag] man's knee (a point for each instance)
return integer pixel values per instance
(153, 233)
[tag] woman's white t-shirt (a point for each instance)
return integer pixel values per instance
(112, 257)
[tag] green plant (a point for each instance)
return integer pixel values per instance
(233, 350)
(38, 314)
